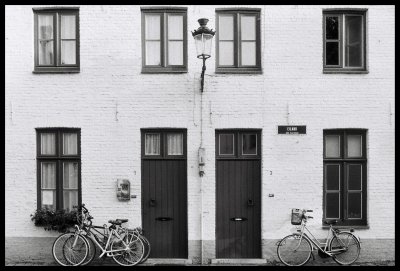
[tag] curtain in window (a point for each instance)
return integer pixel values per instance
(48, 144)
(68, 42)
(175, 144)
(70, 144)
(152, 144)
(226, 40)
(152, 36)
(175, 39)
(70, 185)
(48, 185)
(46, 46)
(248, 39)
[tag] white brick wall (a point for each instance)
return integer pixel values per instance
(110, 77)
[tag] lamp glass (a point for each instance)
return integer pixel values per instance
(203, 45)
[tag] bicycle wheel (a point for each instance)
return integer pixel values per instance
(91, 253)
(349, 244)
(293, 251)
(70, 249)
(147, 248)
(128, 257)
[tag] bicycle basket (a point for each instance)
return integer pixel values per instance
(297, 216)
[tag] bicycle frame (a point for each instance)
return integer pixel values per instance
(315, 243)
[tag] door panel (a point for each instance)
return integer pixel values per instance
(164, 204)
(238, 218)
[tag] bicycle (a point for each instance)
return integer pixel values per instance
(296, 249)
(125, 248)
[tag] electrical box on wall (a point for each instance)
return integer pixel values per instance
(123, 189)
(202, 160)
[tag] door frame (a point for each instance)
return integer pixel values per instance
(237, 156)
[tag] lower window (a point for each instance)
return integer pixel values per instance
(345, 176)
(59, 168)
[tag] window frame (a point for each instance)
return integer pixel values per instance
(344, 161)
(341, 14)
(57, 67)
(163, 143)
(237, 67)
(238, 144)
(164, 67)
(59, 159)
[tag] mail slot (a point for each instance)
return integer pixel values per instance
(164, 218)
(238, 219)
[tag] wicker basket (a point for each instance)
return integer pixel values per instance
(297, 216)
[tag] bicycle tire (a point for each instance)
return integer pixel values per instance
(131, 257)
(147, 249)
(352, 252)
(289, 253)
(91, 253)
(62, 253)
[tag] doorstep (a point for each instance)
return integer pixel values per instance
(168, 261)
(244, 261)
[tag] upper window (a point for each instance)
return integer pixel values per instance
(345, 178)
(242, 144)
(58, 167)
(56, 40)
(238, 41)
(164, 40)
(344, 41)
(163, 143)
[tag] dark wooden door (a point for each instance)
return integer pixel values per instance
(238, 211)
(164, 192)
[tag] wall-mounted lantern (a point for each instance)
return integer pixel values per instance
(203, 38)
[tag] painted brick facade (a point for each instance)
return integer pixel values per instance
(111, 100)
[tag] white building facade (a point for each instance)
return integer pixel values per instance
(100, 93)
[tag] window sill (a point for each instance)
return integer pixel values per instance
(164, 70)
(56, 70)
(347, 227)
(238, 71)
(344, 71)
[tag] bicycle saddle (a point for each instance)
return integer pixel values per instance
(330, 222)
(118, 221)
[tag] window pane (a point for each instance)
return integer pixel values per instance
(152, 27)
(332, 53)
(152, 144)
(68, 52)
(332, 176)
(332, 146)
(70, 199)
(68, 27)
(249, 53)
(48, 143)
(70, 143)
(353, 41)
(226, 144)
(354, 146)
(45, 24)
(70, 175)
(354, 178)
(48, 173)
(49, 199)
(332, 28)
(175, 27)
(175, 53)
(175, 144)
(153, 53)
(248, 27)
(354, 205)
(249, 142)
(225, 28)
(332, 205)
(226, 53)
(46, 55)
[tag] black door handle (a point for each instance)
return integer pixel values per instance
(152, 202)
(250, 202)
